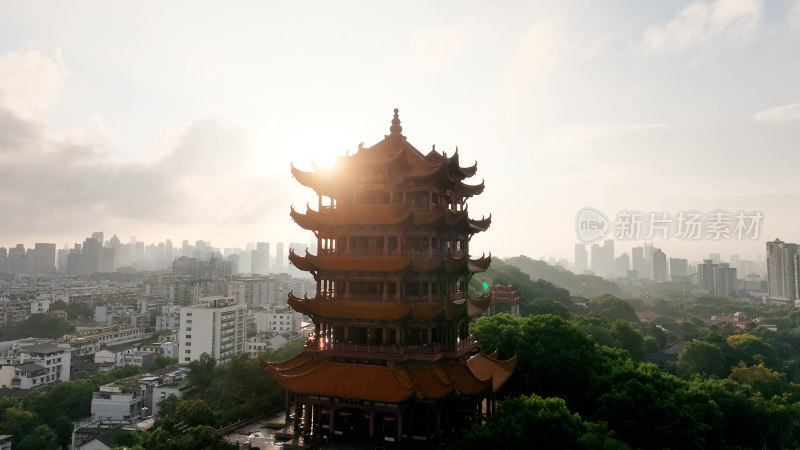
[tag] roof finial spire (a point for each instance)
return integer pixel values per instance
(395, 129)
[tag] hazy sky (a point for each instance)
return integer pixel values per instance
(180, 119)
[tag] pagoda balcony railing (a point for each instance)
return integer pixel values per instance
(423, 298)
(387, 350)
(370, 297)
(366, 252)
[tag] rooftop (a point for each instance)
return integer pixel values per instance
(45, 347)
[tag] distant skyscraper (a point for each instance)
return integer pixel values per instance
(43, 258)
(603, 258)
(782, 270)
(659, 266)
(643, 261)
(678, 269)
(622, 265)
(581, 258)
(259, 258)
(279, 257)
(98, 236)
(715, 257)
(716, 279)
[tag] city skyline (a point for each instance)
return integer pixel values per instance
(185, 122)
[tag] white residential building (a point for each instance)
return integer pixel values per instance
(91, 342)
(121, 400)
(216, 326)
(259, 344)
(279, 321)
(35, 365)
(39, 305)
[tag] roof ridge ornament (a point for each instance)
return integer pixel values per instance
(395, 129)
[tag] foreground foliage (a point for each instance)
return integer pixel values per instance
(710, 405)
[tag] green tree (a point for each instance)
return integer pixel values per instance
(194, 412)
(536, 422)
(168, 406)
(651, 344)
(752, 349)
(597, 327)
(612, 308)
(555, 358)
(42, 438)
(703, 358)
(201, 372)
(161, 361)
(628, 338)
(544, 306)
(18, 422)
(652, 409)
(766, 381)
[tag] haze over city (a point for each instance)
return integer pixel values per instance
(181, 120)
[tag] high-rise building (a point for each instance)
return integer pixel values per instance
(603, 258)
(391, 310)
(716, 279)
(581, 258)
(259, 258)
(279, 258)
(622, 265)
(782, 271)
(678, 269)
(43, 258)
(659, 266)
(216, 326)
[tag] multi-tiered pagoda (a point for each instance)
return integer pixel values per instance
(391, 357)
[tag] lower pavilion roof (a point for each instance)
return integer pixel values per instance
(386, 214)
(310, 374)
(334, 263)
(388, 310)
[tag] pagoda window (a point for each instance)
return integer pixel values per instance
(435, 199)
(416, 290)
(372, 245)
(372, 197)
(366, 289)
(393, 244)
(416, 244)
(418, 200)
(397, 197)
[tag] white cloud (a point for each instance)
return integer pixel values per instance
(580, 138)
(794, 16)
(71, 181)
(540, 51)
(29, 82)
(701, 23)
(779, 114)
(431, 50)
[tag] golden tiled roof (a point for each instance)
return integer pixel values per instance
(353, 309)
(385, 214)
(315, 375)
(488, 366)
(311, 262)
